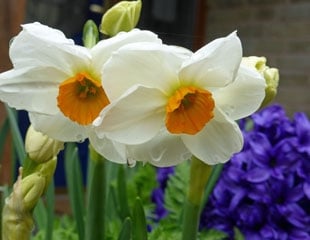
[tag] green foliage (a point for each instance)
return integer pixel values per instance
(212, 234)
(64, 228)
(176, 191)
(237, 234)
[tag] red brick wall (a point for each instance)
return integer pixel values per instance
(277, 29)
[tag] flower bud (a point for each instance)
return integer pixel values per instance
(271, 76)
(40, 147)
(123, 16)
(17, 211)
(90, 34)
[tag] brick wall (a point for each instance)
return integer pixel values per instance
(277, 29)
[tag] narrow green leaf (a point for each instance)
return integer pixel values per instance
(139, 230)
(122, 193)
(75, 187)
(16, 136)
(40, 215)
(96, 198)
(4, 192)
(50, 201)
(125, 233)
(215, 174)
(3, 134)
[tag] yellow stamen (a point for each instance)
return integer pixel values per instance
(188, 110)
(81, 98)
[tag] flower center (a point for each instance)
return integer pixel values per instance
(81, 98)
(188, 110)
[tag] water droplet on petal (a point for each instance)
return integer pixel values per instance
(131, 162)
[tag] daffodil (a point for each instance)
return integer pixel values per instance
(58, 82)
(167, 105)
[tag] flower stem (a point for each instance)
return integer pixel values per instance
(199, 175)
(95, 217)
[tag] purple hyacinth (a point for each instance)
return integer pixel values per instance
(264, 190)
(158, 194)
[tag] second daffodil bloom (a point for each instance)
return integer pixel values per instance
(58, 82)
(177, 104)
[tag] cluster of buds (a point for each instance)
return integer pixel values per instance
(40, 165)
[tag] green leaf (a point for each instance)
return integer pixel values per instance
(96, 198)
(139, 230)
(215, 174)
(212, 234)
(40, 215)
(75, 186)
(122, 193)
(50, 201)
(3, 134)
(16, 136)
(125, 233)
(238, 234)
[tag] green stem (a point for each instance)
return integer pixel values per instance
(95, 217)
(199, 175)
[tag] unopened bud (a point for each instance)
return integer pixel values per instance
(40, 147)
(123, 16)
(271, 76)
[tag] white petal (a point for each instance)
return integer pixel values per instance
(112, 151)
(103, 49)
(214, 65)
(134, 118)
(217, 142)
(39, 45)
(30, 89)
(244, 96)
(59, 127)
(163, 150)
(148, 64)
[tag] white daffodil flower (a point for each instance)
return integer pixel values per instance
(58, 82)
(175, 104)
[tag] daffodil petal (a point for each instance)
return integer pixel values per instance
(131, 119)
(243, 96)
(163, 150)
(112, 151)
(39, 45)
(103, 49)
(217, 142)
(59, 127)
(30, 89)
(215, 64)
(148, 64)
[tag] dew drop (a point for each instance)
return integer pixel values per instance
(131, 162)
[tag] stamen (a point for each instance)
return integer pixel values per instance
(189, 110)
(81, 98)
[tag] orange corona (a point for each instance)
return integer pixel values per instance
(188, 110)
(81, 98)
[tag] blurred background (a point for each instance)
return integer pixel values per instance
(276, 29)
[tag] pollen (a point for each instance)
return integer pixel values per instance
(81, 98)
(188, 110)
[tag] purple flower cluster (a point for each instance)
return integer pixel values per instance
(158, 194)
(264, 190)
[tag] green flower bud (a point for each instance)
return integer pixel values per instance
(90, 34)
(123, 16)
(271, 76)
(17, 221)
(40, 147)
